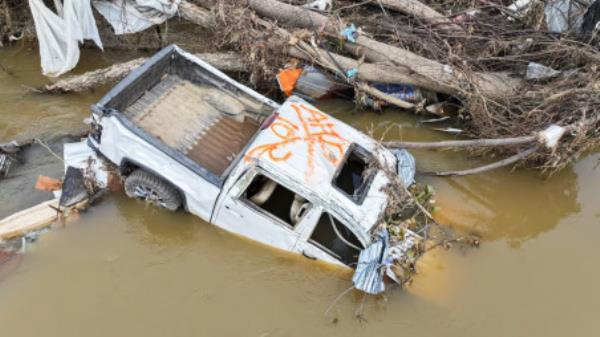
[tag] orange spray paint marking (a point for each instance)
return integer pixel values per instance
(316, 129)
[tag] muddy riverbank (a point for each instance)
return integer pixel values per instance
(128, 269)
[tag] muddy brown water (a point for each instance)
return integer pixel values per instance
(124, 269)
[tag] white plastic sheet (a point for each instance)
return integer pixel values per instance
(59, 35)
(131, 16)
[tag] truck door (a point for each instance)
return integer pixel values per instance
(264, 209)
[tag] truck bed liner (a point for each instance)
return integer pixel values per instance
(206, 124)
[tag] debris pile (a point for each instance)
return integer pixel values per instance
(499, 69)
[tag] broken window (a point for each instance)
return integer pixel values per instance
(276, 200)
(354, 177)
(336, 239)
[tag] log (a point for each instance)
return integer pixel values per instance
(372, 72)
(485, 168)
(421, 11)
(431, 73)
(77, 83)
(463, 143)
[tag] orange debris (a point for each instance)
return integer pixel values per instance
(287, 79)
(48, 184)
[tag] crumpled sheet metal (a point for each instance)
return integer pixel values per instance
(377, 259)
(371, 266)
(407, 166)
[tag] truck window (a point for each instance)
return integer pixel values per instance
(354, 176)
(336, 239)
(276, 200)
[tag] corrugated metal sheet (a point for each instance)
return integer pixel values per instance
(219, 146)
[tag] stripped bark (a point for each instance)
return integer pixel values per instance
(463, 143)
(96, 78)
(197, 15)
(420, 11)
(493, 166)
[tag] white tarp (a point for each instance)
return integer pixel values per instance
(59, 35)
(131, 16)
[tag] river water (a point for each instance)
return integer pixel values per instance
(125, 269)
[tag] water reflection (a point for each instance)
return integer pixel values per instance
(155, 226)
(507, 205)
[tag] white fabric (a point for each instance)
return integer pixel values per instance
(59, 36)
(320, 5)
(551, 135)
(131, 16)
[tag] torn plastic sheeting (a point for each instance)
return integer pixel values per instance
(350, 33)
(371, 266)
(59, 35)
(132, 16)
(551, 135)
(536, 71)
(564, 15)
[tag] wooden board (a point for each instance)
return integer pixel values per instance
(30, 219)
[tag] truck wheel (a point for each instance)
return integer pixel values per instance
(146, 186)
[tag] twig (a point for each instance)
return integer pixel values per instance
(339, 297)
(39, 141)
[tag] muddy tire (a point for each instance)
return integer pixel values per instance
(146, 186)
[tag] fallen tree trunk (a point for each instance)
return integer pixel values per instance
(431, 74)
(371, 72)
(463, 143)
(223, 61)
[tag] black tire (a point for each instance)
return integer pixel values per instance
(143, 185)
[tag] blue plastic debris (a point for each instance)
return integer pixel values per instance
(352, 73)
(350, 33)
(405, 92)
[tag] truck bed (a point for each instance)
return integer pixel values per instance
(208, 125)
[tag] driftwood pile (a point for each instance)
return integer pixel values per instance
(472, 53)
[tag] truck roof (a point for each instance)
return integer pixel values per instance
(308, 148)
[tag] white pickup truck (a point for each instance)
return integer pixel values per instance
(290, 176)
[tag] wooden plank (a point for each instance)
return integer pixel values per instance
(28, 220)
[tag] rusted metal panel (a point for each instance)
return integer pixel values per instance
(219, 146)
